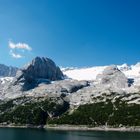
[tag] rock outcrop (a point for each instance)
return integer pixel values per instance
(64, 87)
(112, 77)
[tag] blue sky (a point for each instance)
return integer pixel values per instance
(71, 32)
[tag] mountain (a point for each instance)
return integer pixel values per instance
(7, 71)
(39, 70)
(42, 92)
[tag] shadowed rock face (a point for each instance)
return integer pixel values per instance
(113, 77)
(7, 71)
(39, 69)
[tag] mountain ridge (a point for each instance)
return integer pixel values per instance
(49, 98)
(7, 71)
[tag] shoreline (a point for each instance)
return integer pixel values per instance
(87, 128)
(22, 126)
(76, 128)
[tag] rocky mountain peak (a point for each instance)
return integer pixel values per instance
(40, 68)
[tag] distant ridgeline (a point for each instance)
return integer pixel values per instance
(40, 94)
(7, 71)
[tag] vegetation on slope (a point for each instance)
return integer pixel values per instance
(39, 111)
(34, 113)
(103, 113)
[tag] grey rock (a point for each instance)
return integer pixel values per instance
(112, 77)
(58, 88)
(40, 69)
(63, 87)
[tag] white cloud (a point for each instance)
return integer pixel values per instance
(14, 55)
(19, 45)
(17, 50)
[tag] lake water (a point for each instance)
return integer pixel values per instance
(36, 134)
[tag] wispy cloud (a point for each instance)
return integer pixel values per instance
(19, 46)
(14, 55)
(17, 50)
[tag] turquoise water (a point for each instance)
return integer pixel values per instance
(36, 134)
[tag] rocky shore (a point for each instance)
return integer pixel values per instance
(76, 128)
(88, 128)
(22, 126)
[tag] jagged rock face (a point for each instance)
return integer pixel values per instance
(113, 77)
(39, 69)
(7, 71)
(43, 68)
